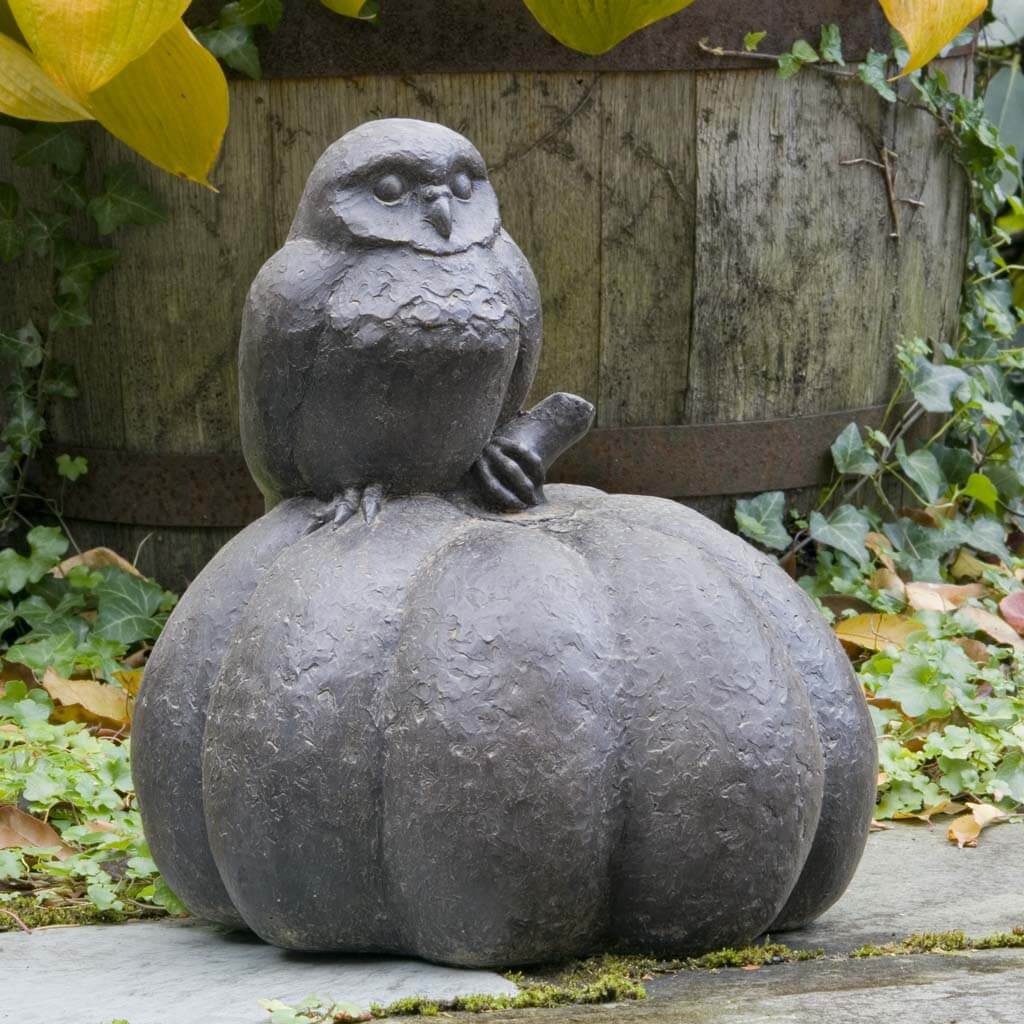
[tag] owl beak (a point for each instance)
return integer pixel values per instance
(439, 215)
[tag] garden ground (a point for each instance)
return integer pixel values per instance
(910, 881)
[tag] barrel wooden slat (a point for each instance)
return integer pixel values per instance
(702, 254)
(649, 169)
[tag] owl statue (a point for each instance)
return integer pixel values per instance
(388, 346)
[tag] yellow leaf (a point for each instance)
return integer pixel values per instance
(942, 597)
(928, 25)
(27, 92)
(18, 829)
(130, 679)
(86, 700)
(83, 44)
(927, 813)
(170, 105)
(95, 558)
(594, 26)
(994, 626)
(887, 580)
(367, 10)
(968, 567)
(964, 831)
(876, 632)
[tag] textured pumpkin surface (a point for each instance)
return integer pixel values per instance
(490, 739)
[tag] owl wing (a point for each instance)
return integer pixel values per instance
(527, 293)
(282, 328)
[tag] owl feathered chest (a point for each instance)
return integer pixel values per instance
(406, 300)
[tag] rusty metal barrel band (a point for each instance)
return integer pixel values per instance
(431, 36)
(688, 461)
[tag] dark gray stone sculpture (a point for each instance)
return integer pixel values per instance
(476, 723)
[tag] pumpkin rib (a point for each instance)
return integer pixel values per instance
(740, 915)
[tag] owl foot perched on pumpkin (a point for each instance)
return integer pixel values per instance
(343, 507)
(509, 475)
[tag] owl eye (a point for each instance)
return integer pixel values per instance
(462, 185)
(389, 189)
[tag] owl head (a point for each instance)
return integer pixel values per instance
(400, 182)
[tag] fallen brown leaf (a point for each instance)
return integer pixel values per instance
(877, 631)
(86, 700)
(1012, 609)
(968, 566)
(994, 626)
(927, 813)
(881, 547)
(880, 826)
(95, 558)
(130, 680)
(20, 829)
(964, 831)
(942, 597)
(974, 649)
(887, 580)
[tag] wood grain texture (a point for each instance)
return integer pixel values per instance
(703, 254)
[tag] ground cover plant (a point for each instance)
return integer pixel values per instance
(915, 548)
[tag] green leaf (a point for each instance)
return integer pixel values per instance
(789, 65)
(72, 468)
(127, 608)
(844, 530)
(760, 519)
(56, 145)
(43, 229)
(1008, 778)
(934, 384)
(804, 52)
(874, 72)
(71, 313)
(923, 469)
(982, 489)
(60, 381)
(252, 12)
(79, 266)
(850, 454)
(752, 40)
(956, 463)
(70, 191)
(125, 200)
(831, 46)
(25, 346)
(233, 45)
(24, 429)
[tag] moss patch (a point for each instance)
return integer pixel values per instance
(33, 914)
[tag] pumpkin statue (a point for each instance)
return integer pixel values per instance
(425, 705)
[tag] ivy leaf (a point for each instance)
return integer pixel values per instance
(127, 608)
(60, 381)
(235, 46)
(923, 469)
(72, 468)
(25, 346)
(71, 312)
(752, 40)
(844, 530)
(804, 52)
(831, 45)
(252, 12)
(1008, 778)
(934, 384)
(788, 65)
(70, 191)
(42, 230)
(79, 266)
(55, 145)
(760, 519)
(956, 463)
(981, 489)
(850, 454)
(24, 429)
(873, 72)
(125, 200)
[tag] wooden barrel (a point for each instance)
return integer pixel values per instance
(717, 275)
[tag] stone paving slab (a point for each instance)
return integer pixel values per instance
(190, 973)
(911, 880)
(962, 988)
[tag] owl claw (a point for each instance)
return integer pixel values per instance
(509, 476)
(342, 508)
